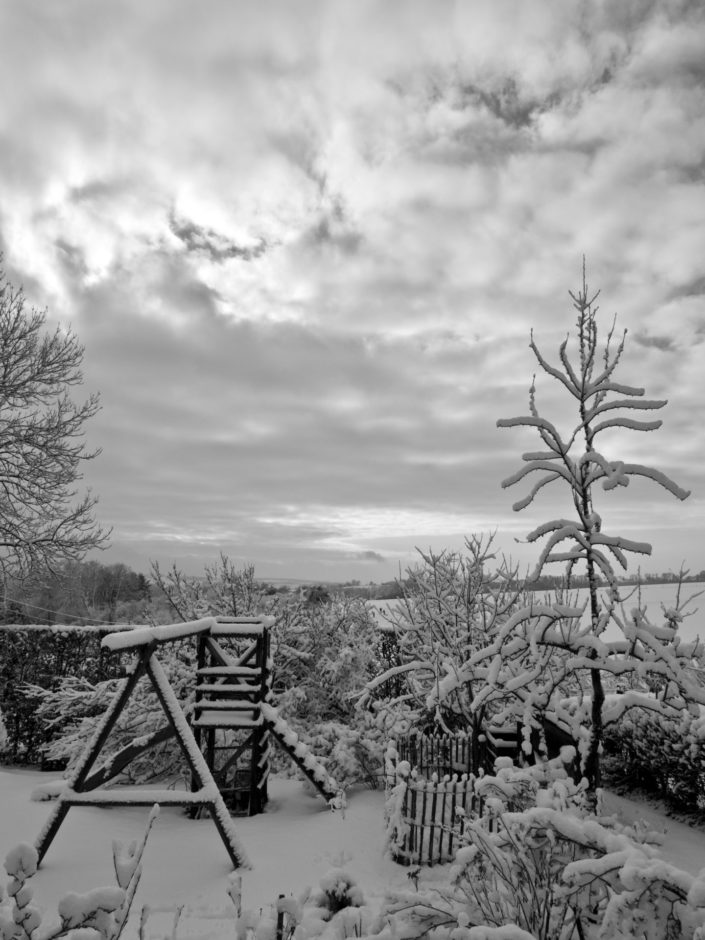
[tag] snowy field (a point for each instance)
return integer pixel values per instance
(295, 843)
(654, 597)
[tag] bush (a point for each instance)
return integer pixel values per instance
(664, 758)
(540, 862)
(44, 656)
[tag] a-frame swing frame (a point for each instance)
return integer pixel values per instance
(204, 791)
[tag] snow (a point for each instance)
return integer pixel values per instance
(141, 636)
(684, 843)
(242, 626)
(291, 847)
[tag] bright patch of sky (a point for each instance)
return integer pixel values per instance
(305, 245)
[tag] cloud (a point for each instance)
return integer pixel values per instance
(664, 343)
(305, 245)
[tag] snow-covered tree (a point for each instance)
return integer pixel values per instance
(224, 590)
(580, 462)
(322, 654)
(453, 606)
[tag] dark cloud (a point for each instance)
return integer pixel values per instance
(664, 343)
(370, 556)
(216, 246)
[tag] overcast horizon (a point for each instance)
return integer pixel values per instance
(305, 243)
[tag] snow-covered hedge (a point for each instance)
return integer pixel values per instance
(43, 655)
(666, 758)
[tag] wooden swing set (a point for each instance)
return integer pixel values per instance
(225, 741)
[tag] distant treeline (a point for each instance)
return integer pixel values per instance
(88, 592)
(388, 590)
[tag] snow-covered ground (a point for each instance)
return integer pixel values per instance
(291, 846)
(296, 842)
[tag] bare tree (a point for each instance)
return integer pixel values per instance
(43, 520)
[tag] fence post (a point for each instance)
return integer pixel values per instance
(280, 920)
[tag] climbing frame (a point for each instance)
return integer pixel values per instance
(232, 684)
(231, 719)
(204, 793)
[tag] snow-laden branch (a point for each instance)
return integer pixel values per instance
(651, 404)
(602, 384)
(570, 381)
(529, 498)
(622, 422)
(542, 455)
(551, 468)
(534, 421)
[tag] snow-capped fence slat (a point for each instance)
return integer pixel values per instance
(448, 754)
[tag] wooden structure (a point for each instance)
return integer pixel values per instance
(428, 823)
(232, 683)
(448, 754)
(226, 746)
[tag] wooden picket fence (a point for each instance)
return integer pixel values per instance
(439, 782)
(448, 754)
(430, 824)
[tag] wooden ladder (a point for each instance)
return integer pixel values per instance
(230, 691)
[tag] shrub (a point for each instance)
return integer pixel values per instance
(664, 758)
(539, 861)
(101, 913)
(43, 656)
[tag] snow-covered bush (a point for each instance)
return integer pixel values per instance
(224, 591)
(321, 656)
(350, 754)
(72, 709)
(335, 911)
(664, 758)
(338, 890)
(538, 859)
(99, 913)
(322, 652)
(453, 605)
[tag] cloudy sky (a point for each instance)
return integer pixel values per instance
(304, 244)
